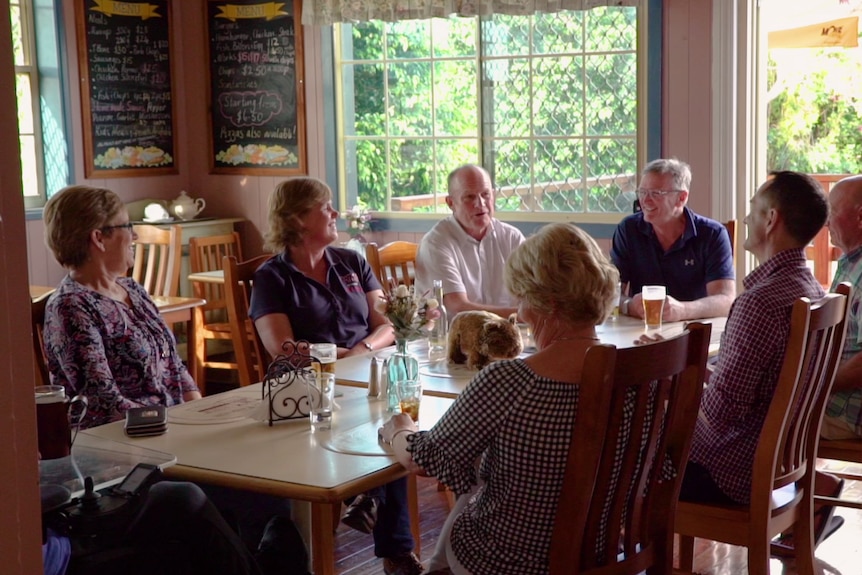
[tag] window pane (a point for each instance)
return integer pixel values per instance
(25, 103)
(549, 107)
(454, 37)
(364, 100)
(455, 106)
(29, 172)
(408, 39)
(17, 36)
(409, 86)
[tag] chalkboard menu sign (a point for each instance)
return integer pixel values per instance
(124, 53)
(257, 108)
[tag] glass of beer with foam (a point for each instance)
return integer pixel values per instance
(326, 353)
(653, 300)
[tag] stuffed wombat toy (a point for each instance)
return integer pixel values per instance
(478, 337)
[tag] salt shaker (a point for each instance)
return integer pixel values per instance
(374, 379)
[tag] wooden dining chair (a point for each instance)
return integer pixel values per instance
(157, 259)
(211, 322)
(251, 357)
(784, 461)
(37, 312)
(625, 465)
(393, 263)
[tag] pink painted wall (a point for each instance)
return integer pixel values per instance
(686, 81)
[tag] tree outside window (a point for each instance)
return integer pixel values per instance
(547, 103)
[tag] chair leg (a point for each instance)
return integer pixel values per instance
(686, 553)
(758, 558)
(199, 349)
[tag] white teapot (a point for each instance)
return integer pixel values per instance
(186, 208)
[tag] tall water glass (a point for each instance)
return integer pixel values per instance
(321, 394)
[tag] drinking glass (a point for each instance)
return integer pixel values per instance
(321, 393)
(653, 299)
(326, 353)
(409, 397)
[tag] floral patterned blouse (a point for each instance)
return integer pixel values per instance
(118, 356)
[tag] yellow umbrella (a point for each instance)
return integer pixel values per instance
(843, 32)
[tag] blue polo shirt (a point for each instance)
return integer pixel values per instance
(701, 255)
(336, 312)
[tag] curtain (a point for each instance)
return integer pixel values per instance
(323, 12)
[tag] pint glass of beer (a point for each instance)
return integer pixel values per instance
(653, 299)
(326, 353)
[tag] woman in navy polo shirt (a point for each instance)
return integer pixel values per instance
(316, 292)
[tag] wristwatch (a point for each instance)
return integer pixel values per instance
(368, 346)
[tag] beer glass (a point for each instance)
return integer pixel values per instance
(653, 300)
(326, 353)
(410, 396)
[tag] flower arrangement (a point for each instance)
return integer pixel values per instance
(358, 220)
(409, 314)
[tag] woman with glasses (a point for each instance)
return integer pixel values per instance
(104, 337)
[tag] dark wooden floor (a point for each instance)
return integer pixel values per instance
(841, 554)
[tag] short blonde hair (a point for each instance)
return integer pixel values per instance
(290, 201)
(561, 271)
(71, 214)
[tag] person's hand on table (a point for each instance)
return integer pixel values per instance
(647, 338)
(399, 422)
(635, 307)
(673, 310)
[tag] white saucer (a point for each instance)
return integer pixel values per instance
(159, 221)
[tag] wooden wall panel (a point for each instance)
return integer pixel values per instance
(687, 86)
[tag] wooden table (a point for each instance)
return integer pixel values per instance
(287, 459)
(211, 277)
(443, 380)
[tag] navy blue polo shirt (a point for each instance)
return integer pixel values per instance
(701, 255)
(336, 312)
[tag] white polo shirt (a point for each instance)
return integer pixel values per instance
(465, 265)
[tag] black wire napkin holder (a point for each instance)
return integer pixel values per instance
(285, 387)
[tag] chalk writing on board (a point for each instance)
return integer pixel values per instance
(253, 85)
(128, 93)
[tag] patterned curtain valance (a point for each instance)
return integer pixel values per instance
(322, 12)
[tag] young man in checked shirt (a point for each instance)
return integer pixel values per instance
(786, 213)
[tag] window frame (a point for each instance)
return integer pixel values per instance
(31, 69)
(648, 143)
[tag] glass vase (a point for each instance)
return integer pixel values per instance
(403, 366)
(356, 244)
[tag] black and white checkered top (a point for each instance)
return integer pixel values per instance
(520, 424)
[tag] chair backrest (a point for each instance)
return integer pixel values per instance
(619, 494)
(787, 448)
(206, 254)
(251, 356)
(393, 263)
(730, 226)
(37, 309)
(157, 259)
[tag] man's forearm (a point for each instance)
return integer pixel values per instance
(710, 306)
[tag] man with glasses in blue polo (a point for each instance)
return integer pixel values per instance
(668, 244)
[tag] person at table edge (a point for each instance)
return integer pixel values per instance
(323, 294)
(105, 339)
(468, 250)
(843, 416)
(668, 244)
(787, 211)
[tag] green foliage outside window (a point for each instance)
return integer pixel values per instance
(547, 103)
